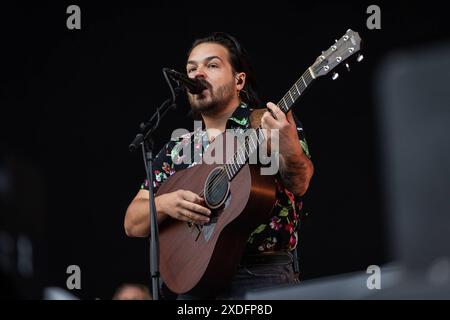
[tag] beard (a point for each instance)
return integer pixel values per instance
(213, 100)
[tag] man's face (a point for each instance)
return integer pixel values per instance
(210, 62)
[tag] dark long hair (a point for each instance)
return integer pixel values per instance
(240, 62)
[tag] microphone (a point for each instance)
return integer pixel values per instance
(193, 85)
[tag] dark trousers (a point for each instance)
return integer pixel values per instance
(259, 271)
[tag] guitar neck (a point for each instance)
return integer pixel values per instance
(250, 146)
(291, 96)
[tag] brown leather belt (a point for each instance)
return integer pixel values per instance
(267, 258)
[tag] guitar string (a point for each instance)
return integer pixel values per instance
(216, 180)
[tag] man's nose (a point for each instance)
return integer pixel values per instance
(200, 73)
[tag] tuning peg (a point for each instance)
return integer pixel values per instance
(360, 58)
(335, 40)
(335, 76)
(347, 66)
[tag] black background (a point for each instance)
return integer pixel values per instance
(72, 101)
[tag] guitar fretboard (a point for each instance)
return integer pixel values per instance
(256, 137)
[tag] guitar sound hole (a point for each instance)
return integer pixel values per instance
(216, 188)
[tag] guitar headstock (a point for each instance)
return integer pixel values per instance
(345, 47)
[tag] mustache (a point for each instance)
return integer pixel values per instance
(208, 86)
(206, 83)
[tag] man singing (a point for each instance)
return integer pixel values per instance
(223, 65)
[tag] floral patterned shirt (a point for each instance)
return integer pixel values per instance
(280, 232)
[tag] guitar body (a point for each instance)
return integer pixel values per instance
(203, 261)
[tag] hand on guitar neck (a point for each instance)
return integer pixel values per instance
(182, 205)
(274, 118)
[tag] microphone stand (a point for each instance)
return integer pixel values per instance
(145, 140)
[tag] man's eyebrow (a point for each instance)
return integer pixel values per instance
(206, 60)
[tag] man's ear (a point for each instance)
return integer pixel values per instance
(240, 80)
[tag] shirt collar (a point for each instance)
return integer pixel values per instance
(240, 117)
